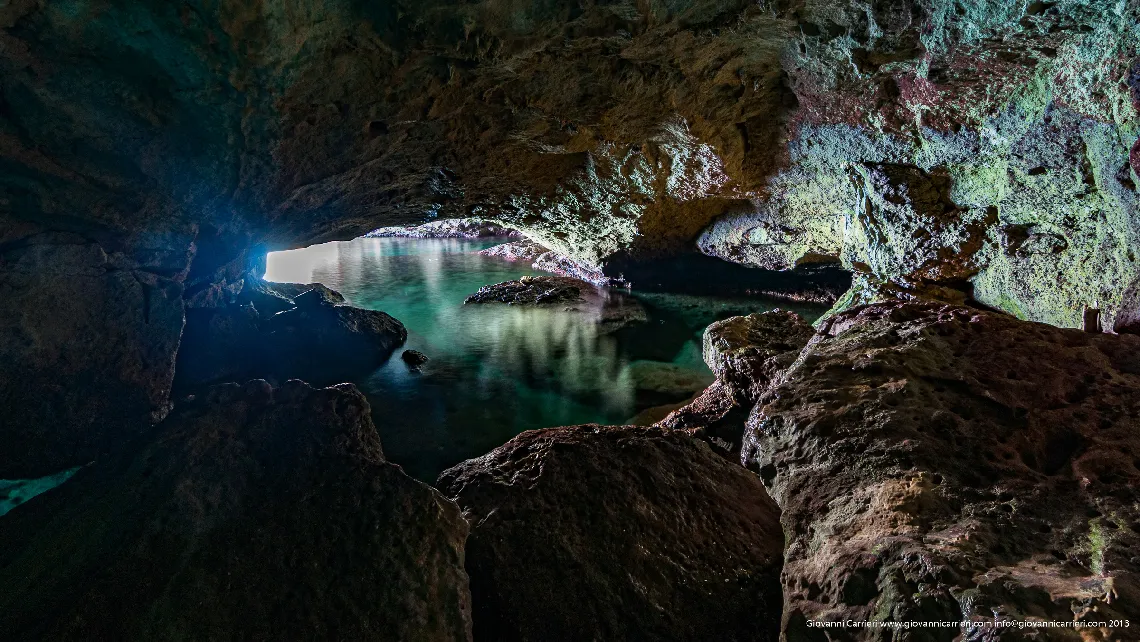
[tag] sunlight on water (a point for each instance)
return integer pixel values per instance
(497, 370)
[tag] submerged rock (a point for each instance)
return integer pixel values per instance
(317, 338)
(253, 513)
(446, 229)
(935, 462)
(617, 533)
(657, 384)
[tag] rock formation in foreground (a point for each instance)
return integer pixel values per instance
(446, 229)
(936, 462)
(280, 331)
(746, 354)
(253, 513)
(617, 533)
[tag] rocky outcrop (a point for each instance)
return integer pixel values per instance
(253, 513)
(87, 341)
(532, 290)
(617, 533)
(935, 462)
(446, 229)
(608, 310)
(541, 258)
(315, 336)
(747, 355)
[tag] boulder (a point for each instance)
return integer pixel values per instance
(532, 290)
(936, 462)
(617, 533)
(253, 512)
(746, 354)
(88, 338)
(317, 338)
(414, 358)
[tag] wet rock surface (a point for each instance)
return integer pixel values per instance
(315, 336)
(414, 358)
(253, 512)
(935, 462)
(617, 533)
(446, 229)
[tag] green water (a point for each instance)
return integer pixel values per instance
(498, 370)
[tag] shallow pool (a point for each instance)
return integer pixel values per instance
(498, 370)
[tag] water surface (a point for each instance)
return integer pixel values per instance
(498, 370)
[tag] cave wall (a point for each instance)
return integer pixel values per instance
(935, 147)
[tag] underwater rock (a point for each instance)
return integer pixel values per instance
(414, 358)
(936, 462)
(532, 290)
(317, 338)
(446, 229)
(87, 344)
(251, 513)
(617, 533)
(656, 383)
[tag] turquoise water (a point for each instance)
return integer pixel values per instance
(498, 370)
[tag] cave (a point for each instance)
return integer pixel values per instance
(570, 320)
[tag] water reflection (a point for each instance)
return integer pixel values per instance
(496, 370)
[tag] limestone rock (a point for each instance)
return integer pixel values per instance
(935, 462)
(532, 290)
(316, 338)
(87, 344)
(414, 358)
(747, 353)
(656, 383)
(446, 229)
(617, 533)
(252, 513)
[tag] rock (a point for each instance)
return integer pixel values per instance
(87, 345)
(656, 383)
(541, 258)
(747, 353)
(524, 251)
(935, 462)
(301, 292)
(316, 338)
(325, 342)
(617, 533)
(414, 358)
(252, 513)
(532, 290)
(446, 229)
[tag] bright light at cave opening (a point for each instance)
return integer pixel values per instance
(299, 266)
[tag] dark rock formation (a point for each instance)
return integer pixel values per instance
(414, 358)
(446, 229)
(87, 342)
(252, 513)
(315, 336)
(541, 258)
(617, 533)
(532, 290)
(935, 462)
(746, 354)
